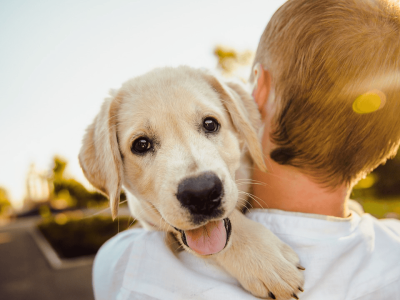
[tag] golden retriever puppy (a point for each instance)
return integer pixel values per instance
(181, 143)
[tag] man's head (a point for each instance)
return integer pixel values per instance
(332, 73)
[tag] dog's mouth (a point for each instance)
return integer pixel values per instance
(208, 239)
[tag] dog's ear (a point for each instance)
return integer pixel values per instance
(100, 157)
(244, 114)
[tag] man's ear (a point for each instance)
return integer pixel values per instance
(244, 115)
(262, 86)
(100, 158)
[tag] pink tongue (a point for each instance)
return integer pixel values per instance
(208, 239)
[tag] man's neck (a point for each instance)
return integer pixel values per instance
(286, 188)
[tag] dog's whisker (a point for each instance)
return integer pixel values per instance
(248, 179)
(248, 203)
(253, 197)
(251, 206)
(257, 202)
(250, 183)
(101, 211)
(146, 209)
(241, 205)
(133, 222)
(244, 205)
(129, 220)
(141, 211)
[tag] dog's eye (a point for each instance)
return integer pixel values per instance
(210, 124)
(141, 145)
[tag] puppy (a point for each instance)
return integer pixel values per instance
(182, 143)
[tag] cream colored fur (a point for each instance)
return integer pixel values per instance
(169, 105)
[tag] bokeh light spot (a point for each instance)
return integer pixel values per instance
(366, 182)
(369, 102)
(61, 219)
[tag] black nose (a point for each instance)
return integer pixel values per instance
(202, 194)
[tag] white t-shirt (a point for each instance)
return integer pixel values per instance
(351, 258)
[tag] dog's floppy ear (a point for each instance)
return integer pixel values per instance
(100, 158)
(244, 114)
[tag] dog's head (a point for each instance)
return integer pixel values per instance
(174, 138)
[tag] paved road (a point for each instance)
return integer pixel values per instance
(26, 275)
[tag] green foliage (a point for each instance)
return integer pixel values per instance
(230, 60)
(71, 190)
(59, 167)
(72, 237)
(381, 208)
(79, 195)
(379, 192)
(4, 201)
(382, 183)
(388, 178)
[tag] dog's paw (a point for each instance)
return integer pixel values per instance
(262, 263)
(272, 273)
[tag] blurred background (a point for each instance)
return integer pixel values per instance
(58, 60)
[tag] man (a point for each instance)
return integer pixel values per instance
(327, 81)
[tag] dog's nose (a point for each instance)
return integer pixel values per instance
(201, 194)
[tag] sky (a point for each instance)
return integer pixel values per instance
(59, 59)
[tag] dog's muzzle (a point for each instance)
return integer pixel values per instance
(201, 195)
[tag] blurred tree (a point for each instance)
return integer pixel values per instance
(70, 190)
(59, 167)
(5, 204)
(232, 62)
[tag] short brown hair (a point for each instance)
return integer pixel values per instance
(322, 55)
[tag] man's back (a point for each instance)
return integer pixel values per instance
(345, 258)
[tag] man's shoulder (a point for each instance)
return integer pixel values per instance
(113, 260)
(121, 246)
(356, 256)
(374, 253)
(311, 231)
(128, 238)
(391, 227)
(139, 264)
